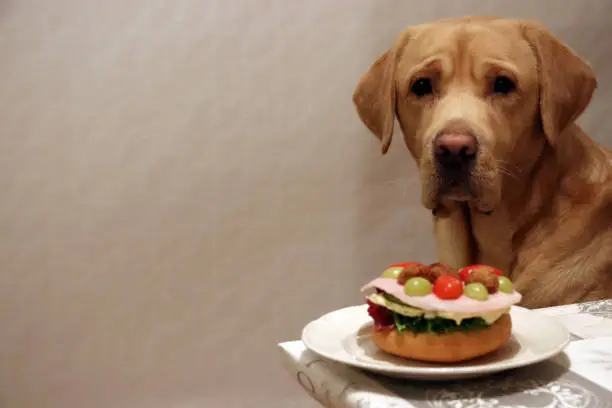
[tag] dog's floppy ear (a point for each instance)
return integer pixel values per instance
(567, 82)
(375, 98)
(375, 95)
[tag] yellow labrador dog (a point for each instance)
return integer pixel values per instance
(487, 108)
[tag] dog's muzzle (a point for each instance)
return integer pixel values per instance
(455, 154)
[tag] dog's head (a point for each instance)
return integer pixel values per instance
(475, 98)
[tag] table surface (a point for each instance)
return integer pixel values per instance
(579, 377)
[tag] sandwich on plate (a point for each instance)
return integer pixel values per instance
(436, 313)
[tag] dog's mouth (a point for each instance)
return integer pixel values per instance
(455, 186)
(479, 187)
(459, 195)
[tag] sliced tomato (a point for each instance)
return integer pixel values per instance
(448, 287)
(468, 269)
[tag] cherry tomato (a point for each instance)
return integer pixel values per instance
(403, 264)
(448, 287)
(465, 272)
(468, 269)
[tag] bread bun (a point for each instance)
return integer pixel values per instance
(445, 348)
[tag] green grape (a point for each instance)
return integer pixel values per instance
(392, 272)
(417, 287)
(476, 291)
(505, 285)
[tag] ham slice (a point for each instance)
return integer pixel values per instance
(431, 302)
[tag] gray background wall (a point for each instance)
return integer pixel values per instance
(185, 183)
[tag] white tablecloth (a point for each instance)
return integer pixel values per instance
(579, 377)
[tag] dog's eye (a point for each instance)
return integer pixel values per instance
(422, 87)
(502, 85)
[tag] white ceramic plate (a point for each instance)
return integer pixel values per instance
(343, 336)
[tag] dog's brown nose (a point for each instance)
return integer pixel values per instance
(455, 146)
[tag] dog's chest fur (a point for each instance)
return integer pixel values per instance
(492, 239)
(538, 258)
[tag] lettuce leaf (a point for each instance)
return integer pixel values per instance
(436, 325)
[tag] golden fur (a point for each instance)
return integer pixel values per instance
(541, 208)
